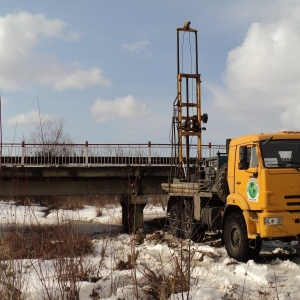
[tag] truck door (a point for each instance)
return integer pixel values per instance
(247, 177)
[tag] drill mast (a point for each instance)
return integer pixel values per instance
(187, 105)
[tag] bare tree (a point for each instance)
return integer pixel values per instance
(50, 132)
(52, 137)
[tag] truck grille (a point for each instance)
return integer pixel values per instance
(292, 197)
(293, 203)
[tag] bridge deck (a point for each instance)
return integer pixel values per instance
(83, 169)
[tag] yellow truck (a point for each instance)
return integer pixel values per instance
(255, 195)
(250, 193)
(264, 191)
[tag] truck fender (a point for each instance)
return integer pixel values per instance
(238, 200)
(250, 218)
(234, 202)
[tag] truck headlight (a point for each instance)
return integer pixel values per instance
(273, 221)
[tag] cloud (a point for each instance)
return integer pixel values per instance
(22, 35)
(136, 47)
(81, 79)
(32, 117)
(126, 108)
(261, 80)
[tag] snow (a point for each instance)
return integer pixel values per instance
(208, 271)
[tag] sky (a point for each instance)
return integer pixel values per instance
(108, 67)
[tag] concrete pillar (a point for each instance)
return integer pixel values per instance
(132, 212)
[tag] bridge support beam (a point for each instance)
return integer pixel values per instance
(132, 212)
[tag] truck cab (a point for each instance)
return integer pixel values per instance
(264, 188)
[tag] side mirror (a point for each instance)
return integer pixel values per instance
(243, 163)
(227, 145)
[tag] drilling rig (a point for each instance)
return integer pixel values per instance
(249, 193)
(194, 176)
(187, 107)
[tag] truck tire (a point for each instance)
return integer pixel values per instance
(174, 220)
(236, 240)
(222, 183)
(187, 223)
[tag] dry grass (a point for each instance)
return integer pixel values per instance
(63, 245)
(161, 286)
(10, 282)
(43, 242)
(67, 249)
(70, 202)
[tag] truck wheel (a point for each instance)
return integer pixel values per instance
(174, 219)
(236, 240)
(187, 223)
(222, 183)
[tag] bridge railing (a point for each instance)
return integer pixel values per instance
(23, 154)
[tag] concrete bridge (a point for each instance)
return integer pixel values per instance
(87, 169)
(132, 171)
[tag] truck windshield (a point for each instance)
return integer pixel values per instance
(281, 153)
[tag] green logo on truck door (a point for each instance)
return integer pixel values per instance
(252, 190)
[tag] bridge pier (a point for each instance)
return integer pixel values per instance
(132, 212)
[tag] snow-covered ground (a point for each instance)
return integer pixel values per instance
(149, 266)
